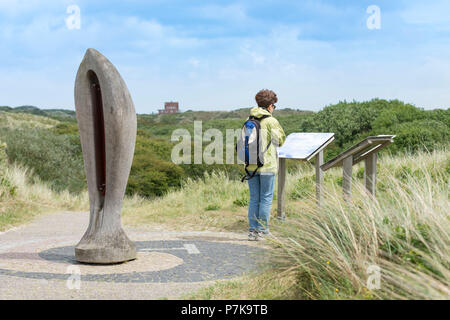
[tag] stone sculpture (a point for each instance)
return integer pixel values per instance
(107, 124)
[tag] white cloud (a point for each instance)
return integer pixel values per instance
(161, 62)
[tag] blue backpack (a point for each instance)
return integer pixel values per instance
(248, 146)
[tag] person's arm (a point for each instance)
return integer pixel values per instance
(277, 133)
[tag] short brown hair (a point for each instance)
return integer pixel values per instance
(265, 98)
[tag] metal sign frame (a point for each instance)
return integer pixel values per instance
(365, 150)
(318, 154)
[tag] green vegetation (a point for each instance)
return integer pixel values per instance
(319, 254)
(21, 199)
(47, 141)
(54, 158)
(326, 253)
(200, 204)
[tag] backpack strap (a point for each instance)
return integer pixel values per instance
(249, 176)
(268, 145)
(260, 118)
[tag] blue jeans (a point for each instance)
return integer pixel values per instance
(261, 196)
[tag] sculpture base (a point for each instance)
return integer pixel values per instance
(105, 249)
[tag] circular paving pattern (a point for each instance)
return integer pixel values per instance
(157, 261)
(50, 263)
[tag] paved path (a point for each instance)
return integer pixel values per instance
(37, 262)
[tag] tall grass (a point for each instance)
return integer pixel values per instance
(319, 253)
(24, 120)
(206, 203)
(335, 251)
(404, 231)
(21, 199)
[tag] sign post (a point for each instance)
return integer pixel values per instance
(304, 147)
(281, 185)
(365, 150)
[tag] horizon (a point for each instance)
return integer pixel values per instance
(230, 110)
(216, 54)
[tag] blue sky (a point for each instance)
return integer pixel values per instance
(215, 55)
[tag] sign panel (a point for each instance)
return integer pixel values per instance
(302, 145)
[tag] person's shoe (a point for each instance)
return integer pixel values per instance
(259, 236)
(252, 235)
(267, 234)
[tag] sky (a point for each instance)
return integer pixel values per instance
(216, 55)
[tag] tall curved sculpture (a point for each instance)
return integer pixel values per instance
(107, 124)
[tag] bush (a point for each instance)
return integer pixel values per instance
(55, 159)
(346, 120)
(212, 207)
(151, 177)
(416, 130)
(304, 188)
(420, 135)
(7, 188)
(243, 199)
(3, 157)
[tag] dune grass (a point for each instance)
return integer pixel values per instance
(198, 205)
(332, 252)
(318, 253)
(20, 120)
(21, 200)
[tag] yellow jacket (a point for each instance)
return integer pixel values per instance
(271, 130)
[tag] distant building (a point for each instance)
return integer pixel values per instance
(169, 108)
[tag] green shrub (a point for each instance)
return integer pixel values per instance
(360, 173)
(151, 177)
(3, 157)
(243, 199)
(420, 135)
(413, 253)
(55, 159)
(68, 128)
(416, 130)
(304, 188)
(7, 188)
(403, 172)
(213, 207)
(346, 120)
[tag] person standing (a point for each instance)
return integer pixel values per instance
(261, 183)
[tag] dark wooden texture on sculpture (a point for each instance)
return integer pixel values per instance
(99, 132)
